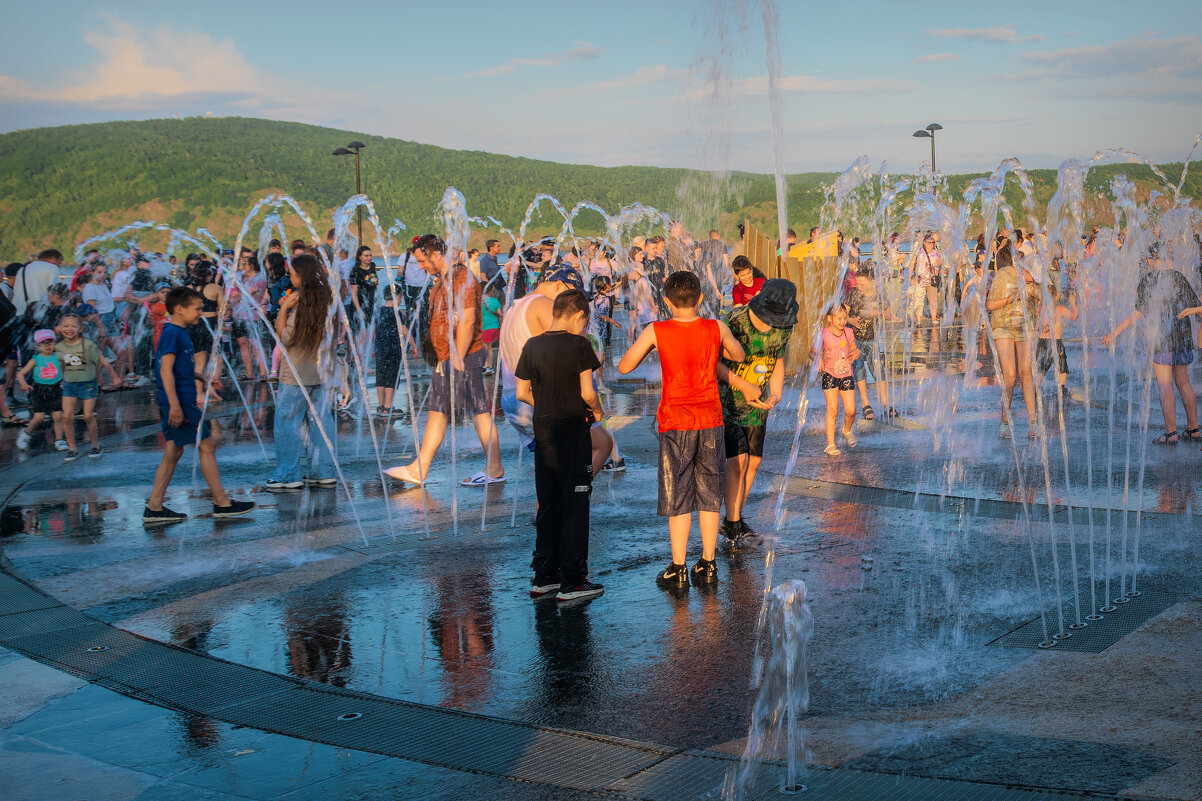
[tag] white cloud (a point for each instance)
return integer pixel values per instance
(1146, 56)
(645, 75)
(757, 86)
(932, 58)
(578, 52)
(998, 33)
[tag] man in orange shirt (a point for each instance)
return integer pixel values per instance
(458, 344)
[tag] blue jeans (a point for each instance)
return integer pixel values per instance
(292, 413)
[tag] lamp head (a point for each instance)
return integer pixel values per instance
(342, 151)
(934, 126)
(921, 133)
(356, 145)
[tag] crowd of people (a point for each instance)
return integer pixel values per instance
(526, 338)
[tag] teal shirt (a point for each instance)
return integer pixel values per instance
(47, 369)
(490, 316)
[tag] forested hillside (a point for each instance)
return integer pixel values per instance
(60, 185)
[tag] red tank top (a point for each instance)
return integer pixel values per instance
(688, 359)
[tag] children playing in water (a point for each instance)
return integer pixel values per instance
(80, 357)
(555, 376)
(691, 447)
(179, 385)
(46, 394)
(837, 348)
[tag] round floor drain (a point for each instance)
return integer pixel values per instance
(96, 648)
(350, 716)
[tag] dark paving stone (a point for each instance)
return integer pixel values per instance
(1018, 760)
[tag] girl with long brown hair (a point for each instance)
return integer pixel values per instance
(304, 401)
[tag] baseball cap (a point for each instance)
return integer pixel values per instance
(564, 273)
(84, 309)
(43, 335)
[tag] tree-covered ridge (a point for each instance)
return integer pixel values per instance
(60, 185)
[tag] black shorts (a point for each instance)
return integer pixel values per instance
(46, 398)
(201, 335)
(692, 471)
(388, 366)
(243, 329)
(744, 439)
(1043, 356)
(846, 384)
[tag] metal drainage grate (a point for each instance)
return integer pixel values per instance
(1098, 635)
(695, 774)
(17, 596)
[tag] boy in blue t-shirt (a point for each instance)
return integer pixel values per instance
(179, 384)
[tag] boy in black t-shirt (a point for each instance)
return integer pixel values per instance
(555, 376)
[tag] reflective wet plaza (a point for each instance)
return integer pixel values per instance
(916, 546)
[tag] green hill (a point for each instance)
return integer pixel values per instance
(61, 185)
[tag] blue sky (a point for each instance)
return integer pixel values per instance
(661, 82)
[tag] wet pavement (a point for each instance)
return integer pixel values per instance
(915, 546)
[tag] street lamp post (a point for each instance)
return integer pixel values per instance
(355, 147)
(929, 131)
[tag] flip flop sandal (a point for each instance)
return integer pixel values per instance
(831, 450)
(481, 479)
(868, 414)
(1167, 438)
(850, 437)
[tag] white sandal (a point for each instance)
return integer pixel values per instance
(402, 473)
(831, 450)
(850, 437)
(481, 479)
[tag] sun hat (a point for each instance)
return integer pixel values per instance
(776, 303)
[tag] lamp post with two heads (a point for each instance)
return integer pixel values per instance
(929, 131)
(355, 147)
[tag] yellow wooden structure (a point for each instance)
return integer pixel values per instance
(815, 279)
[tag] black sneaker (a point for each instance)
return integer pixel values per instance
(730, 529)
(705, 572)
(746, 530)
(163, 515)
(541, 587)
(234, 509)
(71, 456)
(580, 591)
(674, 576)
(272, 484)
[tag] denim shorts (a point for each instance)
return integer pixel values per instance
(81, 390)
(1175, 359)
(692, 471)
(185, 434)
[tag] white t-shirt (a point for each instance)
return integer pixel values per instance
(99, 296)
(37, 277)
(415, 276)
(121, 282)
(6, 289)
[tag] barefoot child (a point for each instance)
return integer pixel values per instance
(555, 376)
(179, 383)
(838, 349)
(79, 358)
(46, 395)
(1051, 333)
(692, 461)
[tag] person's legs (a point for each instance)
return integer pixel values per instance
(208, 468)
(602, 446)
(57, 417)
(69, 420)
(35, 420)
(709, 523)
(709, 478)
(162, 475)
(290, 409)
(547, 490)
(1006, 357)
(753, 467)
(848, 397)
(321, 429)
(678, 535)
(736, 468)
(436, 429)
(832, 413)
(490, 441)
(574, 451)
(89, 419)
(1023, 363)
(1168, 401)
(1188, 396)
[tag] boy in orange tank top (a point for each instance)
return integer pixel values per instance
(692, 454)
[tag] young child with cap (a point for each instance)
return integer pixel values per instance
(762, 327)
(46, 394)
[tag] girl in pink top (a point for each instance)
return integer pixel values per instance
(838, 347)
